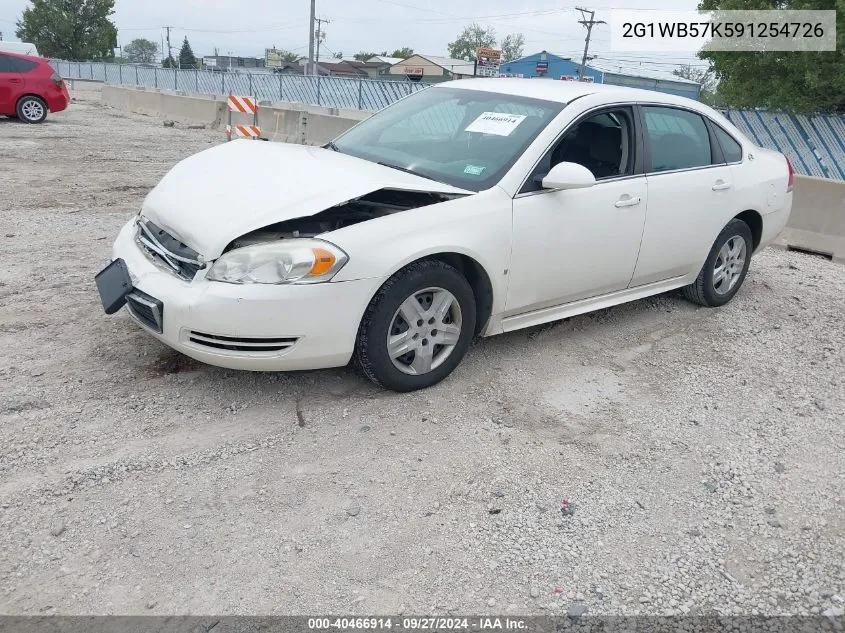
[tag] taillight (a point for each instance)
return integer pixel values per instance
(790, 181)
(56, 79)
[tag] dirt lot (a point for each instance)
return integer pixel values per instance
(703, 451)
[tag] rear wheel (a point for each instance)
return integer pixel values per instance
(417, 328)
(31, 109)
(726, 266)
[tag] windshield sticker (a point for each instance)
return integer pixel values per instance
(473, 170)
(498, 123)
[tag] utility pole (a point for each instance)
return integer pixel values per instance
(169, 48)
(311, 39)
(318, 34)
(589, 25)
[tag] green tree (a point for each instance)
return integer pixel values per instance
(402, 53)
(141, 51)
(472, 37)
(363, 56)
(169, 62)
(704, 76)
(512, 47)
(70, 29)
(792, 81)
(186, 56)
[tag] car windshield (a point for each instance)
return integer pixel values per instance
(466, 138)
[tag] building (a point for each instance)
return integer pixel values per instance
(549, 65)
(432, 68)
(229, 62)
(381, 59)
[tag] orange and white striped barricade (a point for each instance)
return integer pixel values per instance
(242, 105)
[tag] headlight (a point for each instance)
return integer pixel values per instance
(293, 261)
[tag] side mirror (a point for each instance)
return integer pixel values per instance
(568, 176)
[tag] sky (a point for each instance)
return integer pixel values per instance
(246, 28)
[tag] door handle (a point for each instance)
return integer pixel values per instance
(16, 81)
(627, 201)
(721, 185)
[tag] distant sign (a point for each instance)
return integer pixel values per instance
(272, 58)
(209, 62)
(414, 71)
(542, 67)
(487, 61)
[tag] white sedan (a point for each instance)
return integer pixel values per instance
(469, 209)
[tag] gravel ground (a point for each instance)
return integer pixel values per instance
(652, 458)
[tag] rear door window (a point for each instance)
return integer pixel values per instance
(6, 65)
(677, 139)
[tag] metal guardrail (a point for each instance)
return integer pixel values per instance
(815, 145)
(333, 92)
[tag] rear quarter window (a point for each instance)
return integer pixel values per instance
(23, 65)
(731, 150)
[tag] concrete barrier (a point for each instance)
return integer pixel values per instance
(286, 122)
(817, 222)
(169, 105)
(84, 89)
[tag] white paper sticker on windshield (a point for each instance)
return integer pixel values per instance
(499, 123)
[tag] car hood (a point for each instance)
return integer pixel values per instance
(220, 194)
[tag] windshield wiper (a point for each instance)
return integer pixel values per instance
(408, 171)
(330, 145)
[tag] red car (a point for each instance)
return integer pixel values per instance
(29, 88)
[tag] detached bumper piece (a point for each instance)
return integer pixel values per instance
(147, 310)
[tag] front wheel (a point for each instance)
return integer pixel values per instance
(726, 266)
(31, 110)
(417, 328)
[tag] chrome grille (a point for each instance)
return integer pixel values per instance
(241, 344)
(168, 251)
(146, 309)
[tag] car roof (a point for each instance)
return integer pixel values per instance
(564, 91)
(32, 58)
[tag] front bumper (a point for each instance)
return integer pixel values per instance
(252, 326)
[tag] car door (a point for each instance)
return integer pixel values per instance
(11, 84)
(580, 243)
(688, 185)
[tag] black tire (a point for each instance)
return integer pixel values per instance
(31, 109)
(703, 290)
(371, 354)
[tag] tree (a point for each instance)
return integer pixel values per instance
(141, 51)
(512, 47)
(364, 56)
(70, 29)
(402, 53)
(338, 55)
(792, 81)
(704, 76)
(472, 37)
(186, 56)
(169, 62)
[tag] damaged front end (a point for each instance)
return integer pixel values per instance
(373, 205)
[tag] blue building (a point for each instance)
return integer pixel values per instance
(551, 66)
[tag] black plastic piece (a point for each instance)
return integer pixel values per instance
(113, 284)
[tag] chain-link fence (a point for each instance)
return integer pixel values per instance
(334, 92)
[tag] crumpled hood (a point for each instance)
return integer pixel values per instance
(222, 193)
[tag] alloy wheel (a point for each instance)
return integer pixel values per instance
(729, 265)
(32, 110)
